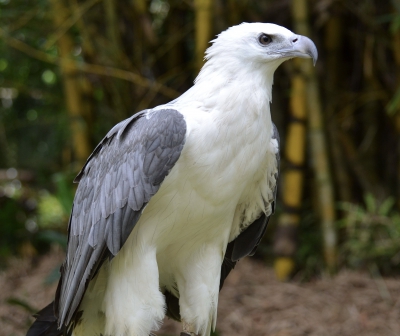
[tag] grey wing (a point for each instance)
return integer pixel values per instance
(246, 242)
(121, 175)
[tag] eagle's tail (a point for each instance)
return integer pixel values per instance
(46, 323)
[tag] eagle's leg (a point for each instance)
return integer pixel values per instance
(198, 286)
(133, 302)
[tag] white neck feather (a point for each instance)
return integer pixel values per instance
(226, 85)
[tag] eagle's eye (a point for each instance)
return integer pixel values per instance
(264, 39)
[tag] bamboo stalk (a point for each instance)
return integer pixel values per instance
(370, 117)
(87, 43)
(89, 53)
(72, 92)
(333, 37)
(69, 21)
(285, 243)
(111, 20)
(203, 13)
(5, 147)
(318, 146)
(173, 46)
(120, 91)
(396, 54)
(324, 185)
(145, 21)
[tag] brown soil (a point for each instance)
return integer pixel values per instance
(252, 302)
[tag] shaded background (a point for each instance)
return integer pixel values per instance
(71, 69)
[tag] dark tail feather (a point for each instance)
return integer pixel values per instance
(46, 323)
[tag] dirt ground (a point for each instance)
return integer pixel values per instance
(252, 302)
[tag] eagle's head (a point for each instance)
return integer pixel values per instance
(261, 43)
(241, 63)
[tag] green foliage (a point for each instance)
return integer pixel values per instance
(395, 17)
(32, 220)
(12, 228)
(49, 77)
(53, 212)
(54, 209)
(51, 237)
(50, 211)
(372, 234)
(65, 190)
(394, 104)
(3, 64)
(32, 119)
(309, 257)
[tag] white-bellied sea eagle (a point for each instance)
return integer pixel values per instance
(172, 197)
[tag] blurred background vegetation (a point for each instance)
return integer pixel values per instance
(71, 69)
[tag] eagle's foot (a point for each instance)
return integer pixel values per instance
(187, 329)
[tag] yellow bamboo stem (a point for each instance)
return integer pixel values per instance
(203, 13)
(285, 243)
(295, 144)
(79, 132)
(318, 146)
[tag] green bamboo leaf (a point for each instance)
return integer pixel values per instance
(370, 203)
(21, 303)
(394, 104)
(386, 206)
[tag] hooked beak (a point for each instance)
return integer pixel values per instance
(302, 47)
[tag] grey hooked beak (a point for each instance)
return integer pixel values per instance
(302, 47)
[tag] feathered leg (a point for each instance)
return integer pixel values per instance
(133, 303)
(198, 285)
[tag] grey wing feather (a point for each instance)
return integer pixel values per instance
(119, 178)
